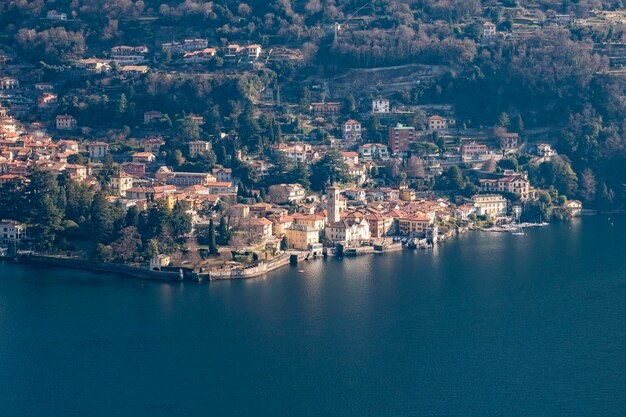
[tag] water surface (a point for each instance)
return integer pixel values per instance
(485, 325)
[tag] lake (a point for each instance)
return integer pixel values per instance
(483, 325)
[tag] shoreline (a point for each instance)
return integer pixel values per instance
(179, 274)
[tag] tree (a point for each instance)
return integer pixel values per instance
(330, 169)
(223, 232)
(212, 244)
(300, 174)
(504, 120)
(284, 243)
(588, 185)
(42, 209)
(180, 220)
(519, 124)
(127, 245)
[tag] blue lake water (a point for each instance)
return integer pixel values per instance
(484, 325)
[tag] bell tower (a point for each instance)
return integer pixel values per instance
(333, 204)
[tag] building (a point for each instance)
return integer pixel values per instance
(129, 55)
(232, 51)
(152, 116)
(120, 183)
(373, 151)
(437, 123)
(11, 231)
(574, 207)
(65, 122)
(348, 230)
(400, 137)
(76, 171)
(473, 150)
(326, 108)
(509, 140)
(351, 130)
(136, 169)
(513, 184)
(198, 147)
(301, 237)
(144, 157)
(195, 57)
(489, 30)
(287, 193)
(153, 145)
(184, 179)
(54, 15)
(223, 174)
(490, 205)
(253, 52)
(221, 188)
(260, 229)
(150, 193)
(188, 45)
(9, 83)
(380, 106)
(97, 150)
(415, 225)
(545, 151)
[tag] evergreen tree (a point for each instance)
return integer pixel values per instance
(212, 244)
(223, 233)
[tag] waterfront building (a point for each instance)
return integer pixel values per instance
(11, 231)
(348, 230)
(301, 237)
(490, 205)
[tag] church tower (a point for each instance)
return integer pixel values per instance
(333, 204)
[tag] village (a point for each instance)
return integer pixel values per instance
(333, 172)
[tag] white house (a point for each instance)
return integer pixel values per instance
(380, 106)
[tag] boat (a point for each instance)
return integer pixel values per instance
(518, 230)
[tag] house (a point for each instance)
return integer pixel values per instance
(221, 188)
(91, 66)
(159, 261)
(198, 147)
(153, 145)
(509, 140)
(223, 174)
(150, 193)
(351, 130)
(97, 150)
(281, 223)
(513, 184)
(260, 229)
(11, 231)
(545, 151)
(437, 123)
(205, 55)
(489, 30)
(373, 151)
(574, 207)
(188, 45)
(314, 221)
(144, 157)
(47, 101)
(54, 15)
(65, 122)
(152, 116)
(184, 179)
(326, 108)
(287, 193)
(350, 157)
(120, 183)
(253, 52)
(381, 225)
(134, 168)
(473, 150)
(380, 106)
(9, 83)
(490, 205)
(400, 137)
(415, 225)
(129, 55)
(232, 51)
(76, 171)
(355, 194)
(348, 230)
(301, 237)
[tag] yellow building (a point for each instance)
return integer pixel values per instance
(300, 237)
(121, 182)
